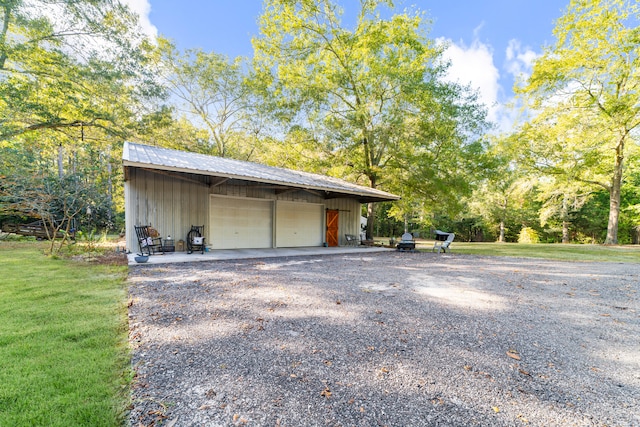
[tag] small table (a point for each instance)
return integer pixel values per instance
(168, 245)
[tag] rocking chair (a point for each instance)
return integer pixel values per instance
(148, 240)
(195, 239)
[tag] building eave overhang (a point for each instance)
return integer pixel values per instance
(327, 187)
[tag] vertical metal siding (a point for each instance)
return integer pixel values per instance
(172, 205)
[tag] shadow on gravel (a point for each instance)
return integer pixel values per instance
(385, 339)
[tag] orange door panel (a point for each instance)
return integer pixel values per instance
(332, 227)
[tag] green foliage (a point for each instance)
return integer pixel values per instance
(89, 241)
(468, 229)
(68, 65)
(528, 235)
(387, 224)
(367, 102)
(630, 200)
(78, 195)
(300, 150)
(589, 222)
(504, 198)
(63, 341)
(218, 96)
(73, 78)
(162, 129)
(374, 95)
(586, 91)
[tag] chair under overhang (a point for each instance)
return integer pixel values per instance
(195, 239)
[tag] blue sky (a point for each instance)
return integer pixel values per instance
(491, 41)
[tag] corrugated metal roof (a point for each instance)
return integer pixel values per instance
(165, 159)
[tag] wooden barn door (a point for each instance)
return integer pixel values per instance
(332, 227)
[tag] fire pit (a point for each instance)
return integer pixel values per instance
(407, 243)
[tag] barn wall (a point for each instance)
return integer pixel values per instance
(349, 217)
(172, 205)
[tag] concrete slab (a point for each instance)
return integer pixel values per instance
(229, 254)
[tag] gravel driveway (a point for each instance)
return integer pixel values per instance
(388, 339)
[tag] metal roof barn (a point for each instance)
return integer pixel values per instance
(242, 204)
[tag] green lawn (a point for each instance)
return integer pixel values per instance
(555, 251)
(64, 359)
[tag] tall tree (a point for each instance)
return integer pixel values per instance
(562, 151)
(374, 92)
(160, 127)
(68, 64)
(588, 83)
(560, 200)
(499, 198)
(72, 80)
(215, 93)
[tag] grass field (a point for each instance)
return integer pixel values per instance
(64, 359)
(561, 252)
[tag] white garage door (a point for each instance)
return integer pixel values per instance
(240, 223)
(299, 224)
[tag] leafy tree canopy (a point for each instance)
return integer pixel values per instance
(68, 64)
(586, 89)
(374, 94)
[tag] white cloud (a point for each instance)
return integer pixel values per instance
(519, 60)
(476, 30)
(518, 63)
(142, 8)
(473, 65)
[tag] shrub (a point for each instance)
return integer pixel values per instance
(528, 235)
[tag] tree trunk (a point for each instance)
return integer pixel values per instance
(6, 12)
(614, 214)
(109, 190)
(565, 220)
(614, 196)
(371, 207)
(60, 161)
(371, 213)
(505, 203)
(565, 232)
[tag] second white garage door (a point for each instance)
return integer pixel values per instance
(299, 224)
(240, 223)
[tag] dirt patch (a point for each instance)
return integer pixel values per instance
(111, 258)
(392, 339)
(106, 258)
